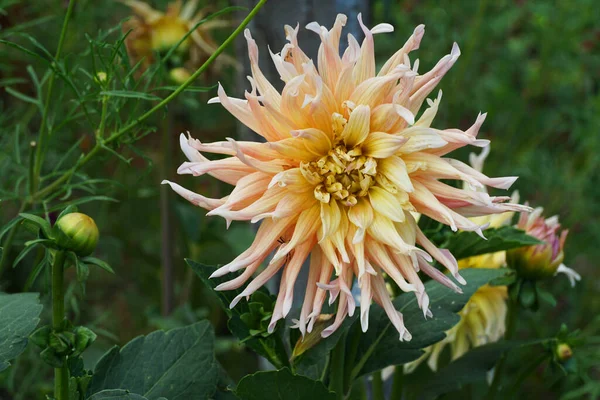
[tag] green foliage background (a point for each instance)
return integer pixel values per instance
(534, 66)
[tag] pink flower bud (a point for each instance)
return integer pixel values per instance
(542, 260)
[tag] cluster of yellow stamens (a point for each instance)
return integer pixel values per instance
(342, 174)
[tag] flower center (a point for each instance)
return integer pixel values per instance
(342, 174)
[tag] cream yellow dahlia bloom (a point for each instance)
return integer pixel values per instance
(156, 31)
(344, 165)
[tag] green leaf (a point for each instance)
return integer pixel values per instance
(81, 200)
(380, 346)
(470, 368)
(270, 347)
(546, 296)
(52, 358)
(116, 394)
(468, 244)
(69, 210)
(8, 226)
(178, 364)
(84, 337)
(277, 385)
(23, 254)
(40, 222)
(19, 315)
(41, 336)
(24, 50)
(36, 270)
(129, 94)
(196, 89)
(23, 97)
(99, 263)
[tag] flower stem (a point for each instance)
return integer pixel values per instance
(100, 144)
(377, 385)
(397, 383)
(527, 370)
(166, 223)
(350, 357)
(336, 374)
(61, 375)
(39, 156)
(9, 239)
(511, 320)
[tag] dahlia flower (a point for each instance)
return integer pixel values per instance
(344, 164)
(154, 31)
(542, 260)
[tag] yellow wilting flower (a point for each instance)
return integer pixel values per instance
(482, 319)
(153, 31)
(344, 165)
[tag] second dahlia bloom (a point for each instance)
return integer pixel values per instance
(546, 259)
(153, 31)
(344, 165)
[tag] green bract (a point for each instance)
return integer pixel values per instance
(534, 262)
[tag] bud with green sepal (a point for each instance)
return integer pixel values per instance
(76, 232)
(563, 352)
(562, 349)
(542, 260)
(538, 262)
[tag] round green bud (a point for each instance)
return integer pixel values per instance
(101, 77)
(79, 233)
(563, 352)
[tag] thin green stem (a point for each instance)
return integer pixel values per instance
(166, 222)
(100, 132)
(31, 165)
(61, 375)
(511, 322)
(397, 383)
(39, 156)
(359, 389)
(354, 342)
(527, 370)
(336, 374)
(9, 239)
(377, 385)
(115, 136)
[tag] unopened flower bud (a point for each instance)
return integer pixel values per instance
(179, 75)
(79, 233)
(563, 352)
(100, 77)
(312, 338)
(542, 260)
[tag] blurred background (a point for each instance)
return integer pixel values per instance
(533, 66)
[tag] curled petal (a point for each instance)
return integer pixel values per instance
(571, 274)
(195, 198)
